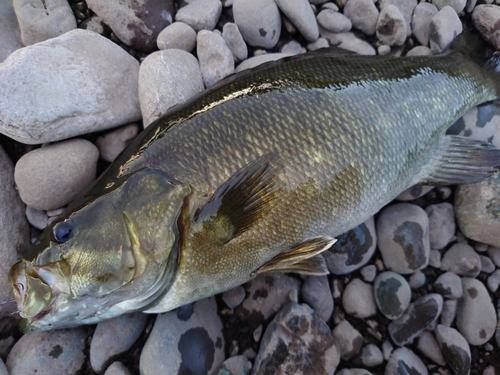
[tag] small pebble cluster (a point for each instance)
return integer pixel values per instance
(413, 290)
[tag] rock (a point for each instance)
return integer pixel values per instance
(112, 143)
(391, 26)
(435, 259)
(462, 260)
(292, 47)
(441, 223)
(348, 339)
(445, 26)
(477, 208)
(37, 218)
(457, 5)
(387, 349)
(421, 314)
(259, 22)
(353, 371)
(358, 299)
(403, 237)
(300, 14)
(200, 14)
(485, 18)
(234, 41)
(216, 59)
(421, 22)
(72, 164)
(317, 294)
(185, 341)
(417, 280)
(449, 312)
(61, 104)
(94, 24)
(369, 272)
(302, 342)
(476, 316)
(10, 34)
(236, 365)
(352, 250)
(117, 368)
(167, 78)
(257, 60)
(487, 265)
(455, 349)
(136, 23)
(493, 281)
(3, 368)
(363, 15)
(334, 21)
(404, 361)
(449, 285)
(371, 356)
(48, 353)
(383, 50)
(494, 254)
(406, 8)
(177, 36)
(234, 297)
(319, 43)
(42, 20)
(429, 346)
(113, 337)
(414, 192)
(392, 294)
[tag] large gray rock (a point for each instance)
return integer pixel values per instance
(136, 23)
(334, 21)
(167, 78)
(234, 41)
(300, 13)
(216, 59)
(485, 18)
(97, 90)
(10, 34)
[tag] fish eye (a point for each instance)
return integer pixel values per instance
(63, 231)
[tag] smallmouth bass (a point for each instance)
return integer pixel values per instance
(257, 174)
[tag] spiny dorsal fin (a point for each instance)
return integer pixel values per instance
(242, 199)
(462, 161)
(300, 258)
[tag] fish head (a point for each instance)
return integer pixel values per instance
(114, 253)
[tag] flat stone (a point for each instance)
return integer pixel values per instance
(429, 346)
(317, 294)
(421, 22)
(391, 26)
(445, 26)
(259, 22)
(188, 340)
(358, 299)
(363, 15)
(348, 338)
(257, 60)
(404, 361)
(71, 163)
(42, 20)
(485, 18)
(234, 297)
(334, 21)
(136, 23)
(449, 285)
(56, 103)
(57, 352)
(441, 224)
(177, 36)
(234, 40)
(166, 79)
(117, 368)
(392, 294)
(406, 8)
(462, 260)
(10, 34)
(300, 14)
(216, 59)
(200, 14)
(112, 143)
(455, 349)
(302, 342)
(476, 316)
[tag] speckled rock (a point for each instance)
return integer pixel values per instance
(40, 21)
(112, 143)
(10, 34)
(61, 105)
(177, 36)
(420, 314)
(363, 15)
(257, 60)
(259, 22)
(200, 14)
(113, 337)
(299, 12)
(477, 208)
(445, 26)
(457, 5)
(404, 361)
(72, 164)
(441, 224)
(348, 338)
(421, 22)
(462, 260)
(167, 78)
(352, 250)
(317, 294)
(301, 340)
(334, 21)
(391, 26)
(429, 346)
(216, 59)
(50, 353)
(136, 23)
(414, 192)
(392, 294)
(358, 299)
(117, 368)
(234, 41)
(485, 18)
(449, 285)
(455, 349)
(236, 365)
(187, 340)
(348, 41)
(476, 316)
(403, 237)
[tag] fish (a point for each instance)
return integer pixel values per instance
(258, 174)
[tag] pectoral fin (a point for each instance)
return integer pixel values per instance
(461, 160)
(301, 259)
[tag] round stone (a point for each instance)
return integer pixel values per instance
(300, 14)
(392, 294)
(449, 285)
(177, 36)
(462, 260)
(334, 21)
(358, 299)
(200, 14)
(363, 15)
(485, 18)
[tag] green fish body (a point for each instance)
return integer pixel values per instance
(260, 173)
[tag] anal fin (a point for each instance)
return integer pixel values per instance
(301, 258)
(462, 160)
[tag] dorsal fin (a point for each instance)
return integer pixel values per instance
(242, 199)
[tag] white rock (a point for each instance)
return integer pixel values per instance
(363, 15)
(216, 59)
(371, 356)
(334, 21)
(111, 144)
(485, 18)
(42, 20)
(358, 299)
(392, 294)
(445, 26)
(457, 5)
(117, 368)
(429, 346)
(421, 21)
(177, 36)
(406, 8)
(234, 41)
(487, 265)
(200, 14)
(391, 26)
(97, 89)
(300, 13)
(319, 43)
(292, 47)
(167, 78)
(493, 281)
(449, 285)
(417, 280)
(10, 34)
(317, 294)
